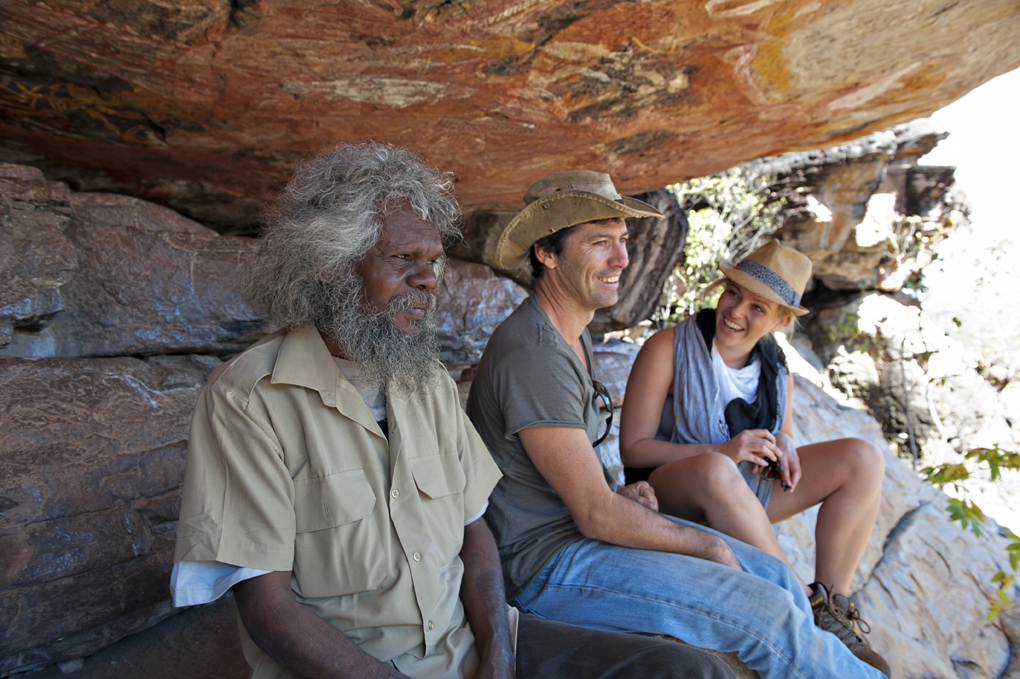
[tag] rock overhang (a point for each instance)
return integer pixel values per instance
(207, 106)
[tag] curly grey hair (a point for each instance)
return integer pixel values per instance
(328, 218)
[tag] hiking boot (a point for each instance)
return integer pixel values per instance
(837, 614)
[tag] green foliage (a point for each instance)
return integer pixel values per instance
(1004, 580)
(970, 516)
(996, 459)
(730, 215)
(942, 474)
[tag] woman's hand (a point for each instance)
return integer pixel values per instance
(753, 445)
(790, 460)
(642, 493)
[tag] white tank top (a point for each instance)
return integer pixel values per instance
(733, 383)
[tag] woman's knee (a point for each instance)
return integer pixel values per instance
(716, 475)
(868, 461)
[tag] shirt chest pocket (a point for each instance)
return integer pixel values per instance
(440, 480)
(338, 547)
(438, 476)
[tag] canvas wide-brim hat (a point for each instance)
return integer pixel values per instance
(560, 201)
(775, 272)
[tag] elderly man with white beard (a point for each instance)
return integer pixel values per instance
(333, 481)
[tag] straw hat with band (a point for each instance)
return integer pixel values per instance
(773, 271)
(560, 201)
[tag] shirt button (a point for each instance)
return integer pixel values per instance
(430, 625)
(416, 556)
(394, 493)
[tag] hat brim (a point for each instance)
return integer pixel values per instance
(751, 283)
(559, 211)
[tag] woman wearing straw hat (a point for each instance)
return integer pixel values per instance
(708, 421)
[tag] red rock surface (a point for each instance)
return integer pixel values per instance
(198, 643)
(205, 105)
(95, 274)
(91, 465)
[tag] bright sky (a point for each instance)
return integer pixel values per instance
(977, 279)
(984, 145)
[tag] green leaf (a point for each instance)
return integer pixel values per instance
(967, 514)
(942, 474)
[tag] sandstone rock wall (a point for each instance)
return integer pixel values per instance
(109, 275)
(206, 105)
(91, 462)
(92, 448)
(866, 212)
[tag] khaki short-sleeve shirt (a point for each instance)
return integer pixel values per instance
(288, 471)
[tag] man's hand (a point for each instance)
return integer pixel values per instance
(723, 554)
(790, 460)
(640, 492)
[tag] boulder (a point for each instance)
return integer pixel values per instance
(865, 212)
(107, 275)
(924, 583)
(206, 106)
(92, 452)
(151, 282)
(922, 386)
(37, 258)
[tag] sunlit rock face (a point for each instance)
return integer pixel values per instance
(206, 105)
(865, 212)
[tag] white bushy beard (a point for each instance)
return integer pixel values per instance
(383, 354)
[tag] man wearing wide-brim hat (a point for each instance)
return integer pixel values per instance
(571, 548)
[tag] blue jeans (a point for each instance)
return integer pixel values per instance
(762, 613)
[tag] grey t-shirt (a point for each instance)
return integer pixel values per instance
(529, 377)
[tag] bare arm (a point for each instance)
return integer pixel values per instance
(305, 644)
(647, 388)
(784, 441)
(564, 457)
(481, 592)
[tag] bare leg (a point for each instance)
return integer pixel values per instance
(846, 477)
(710, 488)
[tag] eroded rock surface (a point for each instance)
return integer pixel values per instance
(866, 212)
(206, 106)
(107, 275)
(91, 463)
(36, 256)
